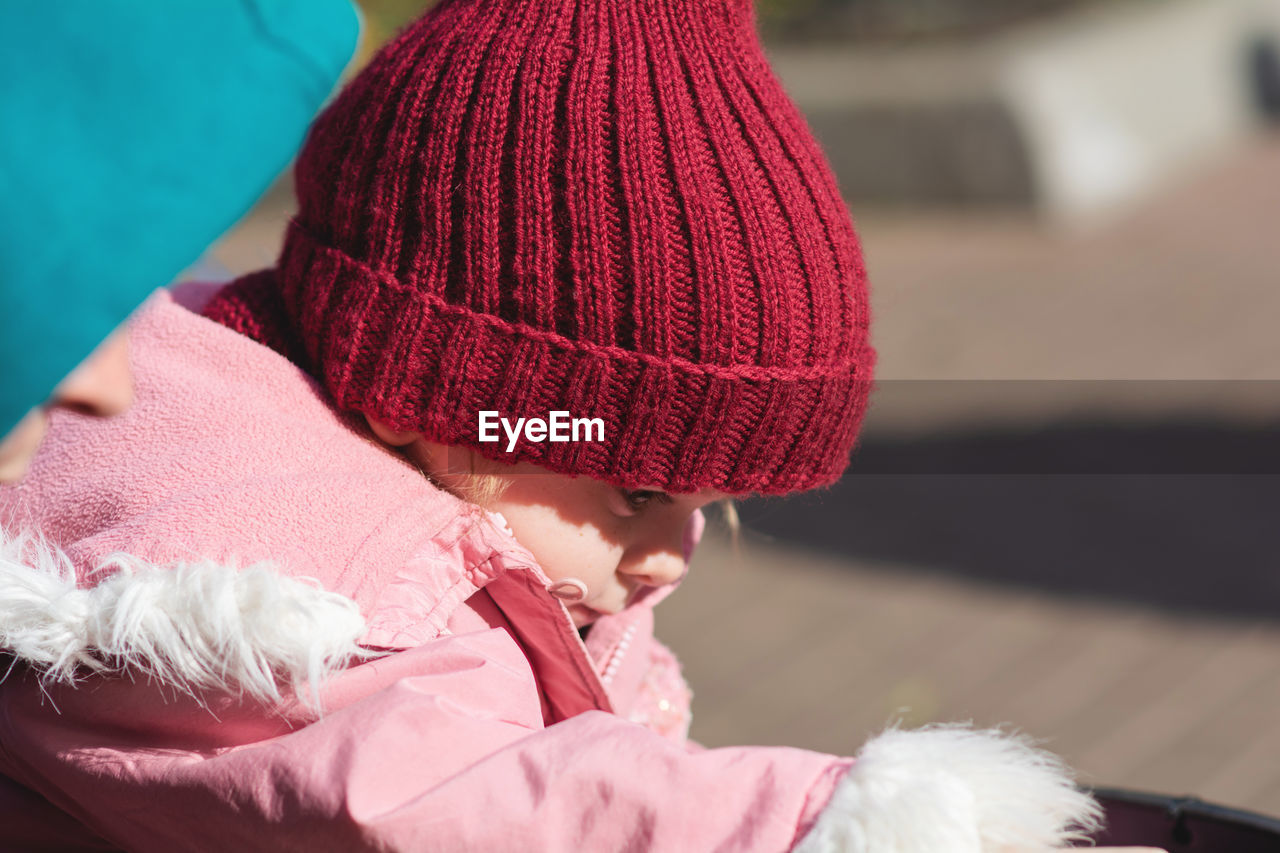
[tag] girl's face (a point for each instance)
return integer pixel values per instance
(616, 541)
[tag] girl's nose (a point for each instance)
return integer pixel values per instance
(654, 568)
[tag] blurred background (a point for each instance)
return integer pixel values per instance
(1064, 514)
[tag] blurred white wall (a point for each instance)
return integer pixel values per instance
(1116, 102)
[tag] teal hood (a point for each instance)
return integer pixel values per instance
(132, 135)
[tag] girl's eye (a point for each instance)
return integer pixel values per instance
(637, 499)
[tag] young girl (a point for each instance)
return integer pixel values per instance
(348, 619)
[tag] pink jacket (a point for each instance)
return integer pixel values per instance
(490, 725)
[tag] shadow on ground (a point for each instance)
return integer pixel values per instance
(1183, 517)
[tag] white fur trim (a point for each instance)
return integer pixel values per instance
(197, 627)
(952, 789)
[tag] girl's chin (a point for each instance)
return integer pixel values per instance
(584, 615)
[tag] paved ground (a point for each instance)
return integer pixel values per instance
(1183, 287)
(1126, 612)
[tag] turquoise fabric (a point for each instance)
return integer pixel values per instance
(132, 134)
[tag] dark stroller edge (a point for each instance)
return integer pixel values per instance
(1183, 824)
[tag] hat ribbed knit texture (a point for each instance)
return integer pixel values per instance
(605, 207)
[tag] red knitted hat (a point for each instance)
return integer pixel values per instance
(603, 207)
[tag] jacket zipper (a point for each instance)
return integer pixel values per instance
(616, 656)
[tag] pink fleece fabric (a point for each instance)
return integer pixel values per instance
(492, 726)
